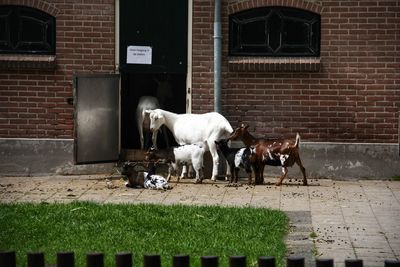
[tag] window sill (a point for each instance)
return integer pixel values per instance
(27, 61)
(270, 64)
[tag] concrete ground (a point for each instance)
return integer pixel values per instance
(329, 219)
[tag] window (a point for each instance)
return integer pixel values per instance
(25, 30)
(274, 32)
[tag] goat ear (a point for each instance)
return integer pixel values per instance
(246, 126)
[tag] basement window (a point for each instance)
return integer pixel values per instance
(274, 39)
(275, 31)
(27, 37)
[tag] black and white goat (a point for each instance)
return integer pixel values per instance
(146, 179)
(237, 158)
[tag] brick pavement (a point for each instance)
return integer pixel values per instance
(350, 219)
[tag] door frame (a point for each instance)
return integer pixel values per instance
(189, 50)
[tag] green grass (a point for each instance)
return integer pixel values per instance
(142, 229)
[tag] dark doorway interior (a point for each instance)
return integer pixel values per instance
(135, 85)
(163, 26)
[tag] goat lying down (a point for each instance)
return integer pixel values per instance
(237, 158)
(148, 180)
(280, 152)
(175, 156)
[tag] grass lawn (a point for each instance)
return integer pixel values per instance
(197, 231)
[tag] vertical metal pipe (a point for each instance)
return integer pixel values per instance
(65, 259)
(295, 261)
(324, 263)
(217, 55)
(35, 259)
(150, 260)
(8, 258)
(266, 261)
(95, 259)
(237, 261)
(392, 263)
(123, 259)
(209, 261)
(181, 261)
(353, 263)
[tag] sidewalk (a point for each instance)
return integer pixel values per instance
(349, 219)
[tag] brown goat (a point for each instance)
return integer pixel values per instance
(280, 152)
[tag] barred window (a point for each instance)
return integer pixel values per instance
(274, 31)
(26, 30)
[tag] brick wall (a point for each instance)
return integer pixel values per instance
(355, 97)
(33, 103)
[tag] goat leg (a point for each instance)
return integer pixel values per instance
(259, 174)
(232, 170)
(249, 179)
(255, 169)
(302, 169)
(236, 175)
(285, 171)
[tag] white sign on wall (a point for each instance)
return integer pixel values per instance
(138, 54)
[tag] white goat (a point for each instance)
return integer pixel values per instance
(145, 102)
(142, 118)
(175, 156)
(194, 128)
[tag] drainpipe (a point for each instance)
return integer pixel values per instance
(217, 56)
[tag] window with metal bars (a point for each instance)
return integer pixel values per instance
(26, 30)
(275, 32)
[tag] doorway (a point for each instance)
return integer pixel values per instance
(170, 90)
(161, 27)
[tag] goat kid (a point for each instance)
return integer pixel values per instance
(154, 181)
(281, 152)
(148, 180)
(175, 156)
(237, 158)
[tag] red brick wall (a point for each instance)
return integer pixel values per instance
(355, 97)
(33, 102)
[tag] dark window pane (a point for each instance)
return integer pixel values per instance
(296, 33)
(274, 31)
(25, 30)
(31, 30)
(253, 33)
(4, 29)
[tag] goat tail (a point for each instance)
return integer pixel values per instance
(296, 144)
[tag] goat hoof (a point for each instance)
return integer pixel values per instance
(198, 181)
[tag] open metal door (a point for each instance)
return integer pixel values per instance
(97, 109)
